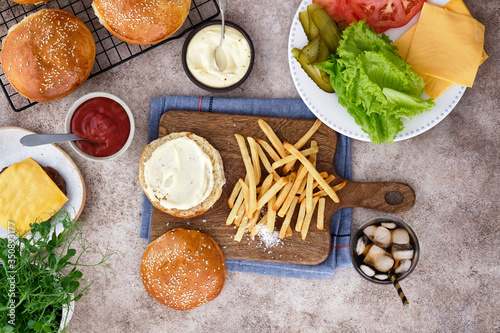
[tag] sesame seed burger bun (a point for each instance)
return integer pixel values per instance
(142, 21)
(183, 269)
(31, 2)
(48, 55)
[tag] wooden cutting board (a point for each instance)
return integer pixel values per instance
(219, 130)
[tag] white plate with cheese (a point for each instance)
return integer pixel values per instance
(326, 107)
(12, 151)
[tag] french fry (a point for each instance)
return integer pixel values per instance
(284, 192)
(302, 187)
(271, 214)
(286, 223)
(340, 186)
(291, 158)
(300, 177)
(307, 220)
(275, 141)
(234, 211)
(300, 217)
(255, 158)
(253, 220)
(336, 188)
(239, 216)
(328, 179)
(272, 192)
(234, 194)
(241, 230)
(262, 222)
(310, 180)
(324, 174)
(321, 214)
(246, 194)
(270, 150)
(331, 193)
(289, 231)
(267, 164)
(251, 175)
(302, 141)
(266, 185)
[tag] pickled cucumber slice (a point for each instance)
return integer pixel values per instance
(313, 72)
(324, 52)
(313, 27)
(305, 21)
(310, 52)
(328, 29)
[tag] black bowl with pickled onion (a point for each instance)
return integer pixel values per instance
(105, 121)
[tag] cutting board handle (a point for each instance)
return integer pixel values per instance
(387, 197)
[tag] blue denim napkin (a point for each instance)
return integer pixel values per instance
(276, 107)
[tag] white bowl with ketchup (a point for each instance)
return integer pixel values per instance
(103, 119)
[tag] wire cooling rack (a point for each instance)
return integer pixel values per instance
(110, 51)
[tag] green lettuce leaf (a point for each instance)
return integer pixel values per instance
(375, 85)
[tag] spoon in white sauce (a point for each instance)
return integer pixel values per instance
(219, 55)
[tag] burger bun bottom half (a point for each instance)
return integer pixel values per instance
(218, 174)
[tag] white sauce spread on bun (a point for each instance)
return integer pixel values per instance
(179, 174)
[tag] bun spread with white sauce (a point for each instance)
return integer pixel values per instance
(183, 269)
(142, 21)
(48, 55)
(182, 174)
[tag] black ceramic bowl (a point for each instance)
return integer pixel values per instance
(198, 83)
(358, 260)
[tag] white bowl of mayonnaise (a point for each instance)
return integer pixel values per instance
(199, 62)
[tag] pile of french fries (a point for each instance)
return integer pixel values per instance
(255, 204)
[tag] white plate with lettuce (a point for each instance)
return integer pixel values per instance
(328, 109)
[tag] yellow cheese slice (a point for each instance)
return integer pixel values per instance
(437, 83)
(457, 6)
(447, 45)
(27, 195)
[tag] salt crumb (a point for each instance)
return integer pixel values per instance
(269, 239)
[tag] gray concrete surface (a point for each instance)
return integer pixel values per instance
(453, 168)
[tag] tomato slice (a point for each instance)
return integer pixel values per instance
(348, 12)
(382, 15)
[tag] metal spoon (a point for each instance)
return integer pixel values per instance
(220, 58)
(31, 140)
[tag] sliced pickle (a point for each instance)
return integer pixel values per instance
(305, 21)
(310, 52)
(325, 77)
(313, 72)
(324, 51)
(327, 28)
(313, 28)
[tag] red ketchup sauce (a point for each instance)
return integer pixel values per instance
(102, 121)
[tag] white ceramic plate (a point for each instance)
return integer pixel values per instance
(327, 108)
(12, 151)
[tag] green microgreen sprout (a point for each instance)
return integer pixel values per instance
(40, 275)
